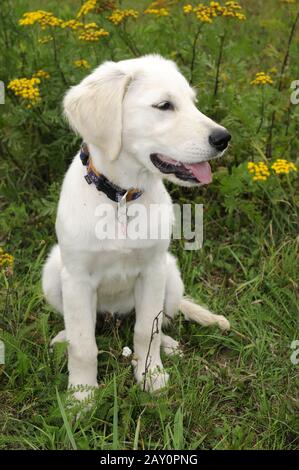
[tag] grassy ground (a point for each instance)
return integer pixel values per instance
(229, 391)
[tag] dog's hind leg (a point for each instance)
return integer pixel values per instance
(51, 279)
(51, 283)
(59, 338)
(174, 290)
(173, 295)
(170, 346)
(174, 301)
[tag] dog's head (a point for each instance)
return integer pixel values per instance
(145, 108)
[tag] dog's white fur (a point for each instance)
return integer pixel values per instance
(112, 110)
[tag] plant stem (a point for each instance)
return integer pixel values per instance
(5, 151)
(5, 32)
(56, 60)
(124, 35)
(216, 87)
(192, 64)
(262, 112)
(280, 83)
(156, 326)
(288, 119)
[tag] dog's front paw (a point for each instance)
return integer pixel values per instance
(59, 338)
(156, 380)
(82, 393)
(150, 379)
(81, 401)
(170, 346)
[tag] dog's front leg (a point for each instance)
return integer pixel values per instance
(79, 308)
(149, 301)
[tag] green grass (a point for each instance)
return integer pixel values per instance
(229, 391)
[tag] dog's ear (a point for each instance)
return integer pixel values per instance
(94, 108)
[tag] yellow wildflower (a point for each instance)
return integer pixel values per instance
(87, 7)
(157, 11)
(207, 13)
(82, 63)
(43, 18)
(118, 15)
(187, 8)
(92, 5)
(92, 35)
(90, 26)
(41, 74)
(158, 8)
(27, 89)
(259, 171)
(204, 14)
(6, 260)
(233, 5)
(262, 78)
(233, 10)
(72, 24)
(281, 166)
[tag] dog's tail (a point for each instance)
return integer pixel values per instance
(201, 315)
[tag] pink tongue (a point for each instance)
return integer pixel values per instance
(201, 171)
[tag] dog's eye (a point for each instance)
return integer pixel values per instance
(164, 106)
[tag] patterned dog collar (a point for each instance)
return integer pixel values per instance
(114, 192)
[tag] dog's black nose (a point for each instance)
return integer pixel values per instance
(220, 139)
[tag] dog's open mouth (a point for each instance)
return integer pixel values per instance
(192, 172)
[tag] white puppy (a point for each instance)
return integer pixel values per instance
(140, 124)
